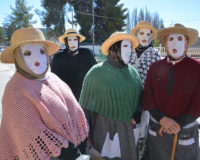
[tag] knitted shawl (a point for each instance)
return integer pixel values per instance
(39, 117)
(143, 63)
(110, 91)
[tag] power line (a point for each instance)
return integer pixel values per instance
(97, 15)
(189, 20)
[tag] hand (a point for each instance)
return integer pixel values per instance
(133, 121)
(161, 130)
(169, 125)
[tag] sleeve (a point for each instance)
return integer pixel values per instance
(185, 119)
(156, 114)
(148, 99)
(55, 65)
(31, 137)
(92, 59)
(194, 108)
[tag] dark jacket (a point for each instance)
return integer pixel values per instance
(72, 69)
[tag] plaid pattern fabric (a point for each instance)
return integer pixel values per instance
(143, 63)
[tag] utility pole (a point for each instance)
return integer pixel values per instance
(72, 19)
(93, 24)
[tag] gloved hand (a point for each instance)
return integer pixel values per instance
(70, 153)
(95, 155)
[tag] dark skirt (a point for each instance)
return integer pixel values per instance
(100, 126)
(160, 148)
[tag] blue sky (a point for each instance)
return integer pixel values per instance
(186, 12)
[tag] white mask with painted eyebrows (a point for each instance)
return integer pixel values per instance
(176, 45)
(126, 51)
(34, 57)
(145, 36)
(72, 43)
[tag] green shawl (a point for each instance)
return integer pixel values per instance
(110, 91)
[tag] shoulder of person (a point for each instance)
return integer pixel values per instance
(96, 69)
(59, 52)
(86, 51)
(194, 61)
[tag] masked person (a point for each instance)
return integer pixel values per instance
(171, 95)
(142, 58)
(41, 117)
(72, 63)
(110, 96)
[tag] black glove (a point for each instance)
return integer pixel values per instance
(137, 116)
(70, 153)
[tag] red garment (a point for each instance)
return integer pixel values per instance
(184, 94)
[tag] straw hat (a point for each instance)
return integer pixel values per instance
(190, 33)
(25, 36)
(144, 24)
(71, 33)
(115, 37)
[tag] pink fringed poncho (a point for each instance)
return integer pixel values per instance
(39, 117)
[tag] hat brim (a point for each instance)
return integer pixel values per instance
(110, 41)
(7, 54)
(190, 33)
(154, 30)
(62, 38)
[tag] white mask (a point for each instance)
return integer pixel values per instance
(72, 43)
(176, 45)
(145, 36)
(34, 57)
(126, 51)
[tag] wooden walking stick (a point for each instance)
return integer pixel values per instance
(174, 146)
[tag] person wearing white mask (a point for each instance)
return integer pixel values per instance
(110, 96)
(72, 63)
(142, 58)
(41, 118)
(171, 95)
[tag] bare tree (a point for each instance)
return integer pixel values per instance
(141, 15)
(156, 20)
(147, 15)
(134, 19)
(128, 25)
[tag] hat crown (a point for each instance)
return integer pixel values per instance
(178, 25)
(27, 34)
(144, 23)
(71, 30)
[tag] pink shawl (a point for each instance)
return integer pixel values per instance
(39, 117)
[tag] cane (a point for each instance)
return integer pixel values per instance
(174, 147)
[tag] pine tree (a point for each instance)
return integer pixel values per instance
(53, 16)
(19, 18)
(109, 17)
(2, 38)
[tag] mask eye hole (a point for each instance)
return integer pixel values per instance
(141, 33)
(180, 38)
(27, 53)
(125, 45)
(42, 51)
(148, 34)
(171, 38)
